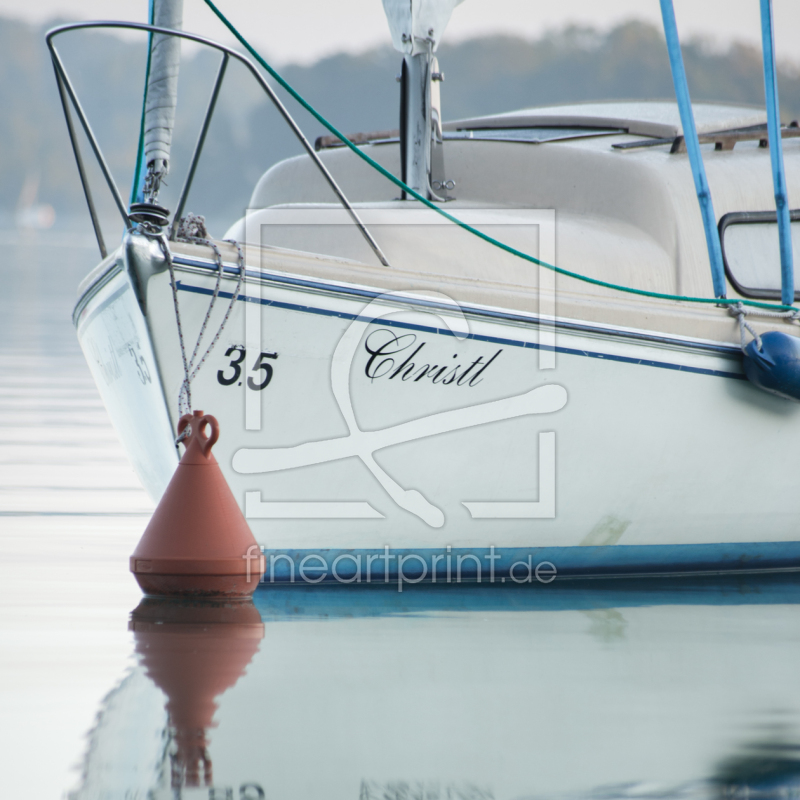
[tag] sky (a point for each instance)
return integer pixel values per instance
(302, 31)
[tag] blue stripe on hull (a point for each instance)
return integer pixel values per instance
(487, 314)
(184, 287)
(469, 564)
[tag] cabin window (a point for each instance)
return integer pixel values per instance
(751, 253)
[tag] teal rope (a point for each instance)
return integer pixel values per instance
(424, 200)
(138, 178)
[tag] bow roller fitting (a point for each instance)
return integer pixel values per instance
(198, 541)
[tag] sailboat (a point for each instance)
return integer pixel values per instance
(557, 341)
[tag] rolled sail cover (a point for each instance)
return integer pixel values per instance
(415, 23)
(162, 86)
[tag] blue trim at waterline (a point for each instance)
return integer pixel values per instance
(184, 287)
(456, 565)
(287, 602)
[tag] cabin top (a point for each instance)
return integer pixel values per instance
(615, 175)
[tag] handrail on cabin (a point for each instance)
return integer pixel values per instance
(67, 91)
(693, 148)
(776, 153)
(692, 142)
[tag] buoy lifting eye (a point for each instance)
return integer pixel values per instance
(195, 424)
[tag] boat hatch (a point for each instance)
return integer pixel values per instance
(751, 253)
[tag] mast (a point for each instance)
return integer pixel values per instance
(161, 96)
(417, 27)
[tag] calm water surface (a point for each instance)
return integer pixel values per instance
(626, 690)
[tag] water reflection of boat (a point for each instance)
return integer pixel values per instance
(689, 692)
(423, 405)
(766, 767)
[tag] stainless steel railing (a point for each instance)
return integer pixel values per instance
(70, 97)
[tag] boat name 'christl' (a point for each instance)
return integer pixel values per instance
(385, 348)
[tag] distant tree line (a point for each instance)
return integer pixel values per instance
(357, 92)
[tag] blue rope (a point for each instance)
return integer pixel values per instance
(776, 154)
(693, 148)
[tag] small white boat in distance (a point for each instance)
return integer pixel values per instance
(401, 398)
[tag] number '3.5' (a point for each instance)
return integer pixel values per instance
(262, 369)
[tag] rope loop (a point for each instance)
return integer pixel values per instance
(191, 365)
(740, 313)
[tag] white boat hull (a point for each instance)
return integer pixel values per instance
(636, 454)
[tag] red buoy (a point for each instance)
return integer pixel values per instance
(198, 541)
